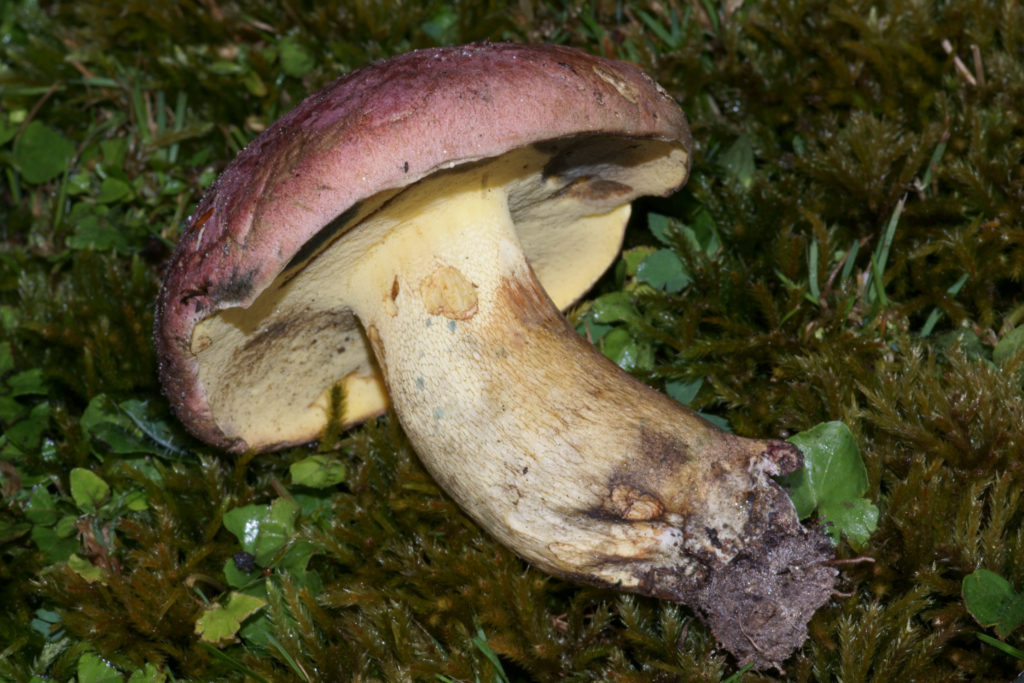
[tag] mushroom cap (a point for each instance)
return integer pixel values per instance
(377, 129)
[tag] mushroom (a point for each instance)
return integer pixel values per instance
(409, 235)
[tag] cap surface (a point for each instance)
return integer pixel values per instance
(376, 129)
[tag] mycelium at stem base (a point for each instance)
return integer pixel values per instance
(560, 455)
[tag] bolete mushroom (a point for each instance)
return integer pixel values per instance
(409, 233)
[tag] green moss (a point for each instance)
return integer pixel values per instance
(813, 120)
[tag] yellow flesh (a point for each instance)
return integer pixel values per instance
(268, 369)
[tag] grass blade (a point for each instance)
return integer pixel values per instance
(936, 313)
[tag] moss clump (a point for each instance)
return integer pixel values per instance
(857, 196)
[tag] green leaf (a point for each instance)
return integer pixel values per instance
(235, 577)
(258, 631)
(738, 161)
(47, 623)
(28, 382)
(263, 530)
(92, 669)
(703, 234)
(294, 562)
(27, 434)
(253, 82)
(620, 347)
(88, 490)
(66, 526)
(93, 231)
(113, 190)
(41, 507)
(102, 420)
(132, 426)
(79, 183)
(632, 258)
(857, 518)
(223, 67)
(8, 129)
(801, 491)
(136, 501)
(317, 471)
(1009, 346)
(717, 420)
(10, 409)
(219, 624)
(590, 329)
(663, 270)
(84, 568)
(480, 641)
(992, 601)
(10, 530)
(149, 418)
(660, 226)
(150, 673)
(833, 463)
(41, 153)
(314, 504)
(833, 480)
(684, 392)
(614, 307)
(296, 59)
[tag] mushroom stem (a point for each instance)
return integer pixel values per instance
(563, 457)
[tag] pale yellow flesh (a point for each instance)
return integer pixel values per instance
(268, 369)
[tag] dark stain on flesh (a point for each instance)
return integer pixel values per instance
(591, 189)
(337, 226)
(580, 156)
(662, 452)
(307, 336)
(302, 325)
(649, 486)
